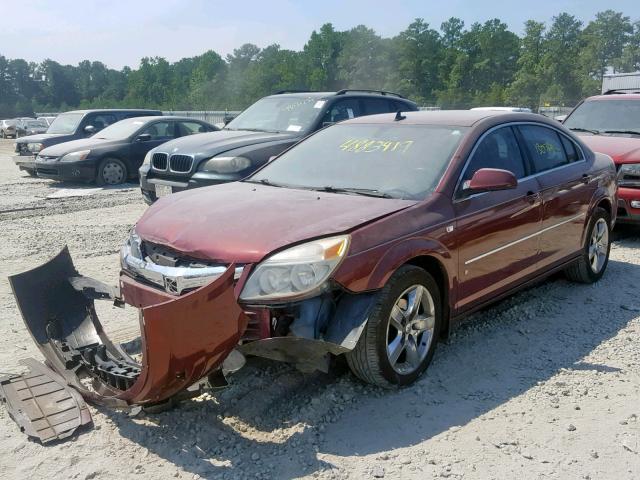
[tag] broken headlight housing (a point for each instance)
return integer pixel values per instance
(299, 271)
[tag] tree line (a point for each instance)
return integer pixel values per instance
(454, 66)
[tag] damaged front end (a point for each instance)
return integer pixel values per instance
(183, 339)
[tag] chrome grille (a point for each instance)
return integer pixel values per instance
(180, 163)
(159, 161)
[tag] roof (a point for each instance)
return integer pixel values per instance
(614, 96)
(165, 117)
(349, 91)
(113, 110)
(461, 118)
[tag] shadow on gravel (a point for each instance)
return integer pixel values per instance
(498, 355)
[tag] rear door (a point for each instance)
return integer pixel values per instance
(559, 165)
(497, 242)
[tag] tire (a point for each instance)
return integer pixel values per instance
(111, 171)
(371, 360)
(594, 259)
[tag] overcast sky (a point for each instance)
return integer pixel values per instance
(120, 33)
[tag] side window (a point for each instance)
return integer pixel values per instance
(191, 128)
(499, 149)
(161, 130)
(101, 120)
(572, 152)
(544, 147)
(377, 105)
(342, 110)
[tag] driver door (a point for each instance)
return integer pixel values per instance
(498, 242)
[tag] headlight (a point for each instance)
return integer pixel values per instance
(297, 271)
(34, 147)
(629, 175)
(225, 164)
(147, 158)
(75, 156)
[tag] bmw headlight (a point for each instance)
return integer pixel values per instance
(298, 271)
(147, 158)
(225, 164)
(34, 147)
(130, 248)
(75, 156)
(629, 175)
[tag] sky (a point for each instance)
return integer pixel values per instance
(120, 33)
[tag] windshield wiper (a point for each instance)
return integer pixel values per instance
(630, 132)
(368, 192)
(265, 181)
(257, 130)
(578, 129)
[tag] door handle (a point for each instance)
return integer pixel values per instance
(586, 178)
(532, 196)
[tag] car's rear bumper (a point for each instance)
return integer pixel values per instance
(627, 213)
(84, 170)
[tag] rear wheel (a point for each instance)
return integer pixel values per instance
(399, 339)
(591, 265)
(111, 171)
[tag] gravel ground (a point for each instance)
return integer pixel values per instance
(543, 385)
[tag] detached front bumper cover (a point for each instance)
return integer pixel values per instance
(183, 340)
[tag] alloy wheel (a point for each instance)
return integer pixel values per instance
(598, 245)
(410, 329)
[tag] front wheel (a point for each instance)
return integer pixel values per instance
(111, 171)
(399, 339)
(594, 259)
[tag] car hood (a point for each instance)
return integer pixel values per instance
(213, 143)
(243, 222)
(42, 137)
(73, 146)
(621, 149)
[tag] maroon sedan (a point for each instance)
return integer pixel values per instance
(371, 239)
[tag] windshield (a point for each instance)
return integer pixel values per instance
(65, 123)
(121, 130)
(279, 114)
(398, 161)
(606, 115)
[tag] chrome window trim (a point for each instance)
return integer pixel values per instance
(457, 190)
(193, 161)
(160, 169)
(520, 240)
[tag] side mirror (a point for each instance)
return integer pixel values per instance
(491, 179)
(227, 119)
(144, 137)
(90, 129)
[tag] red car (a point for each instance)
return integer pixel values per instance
(372, 239)
(610, 124)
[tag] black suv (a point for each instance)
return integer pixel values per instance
(265, 129)
(70, 126)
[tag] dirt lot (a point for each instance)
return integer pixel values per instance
(543, 385)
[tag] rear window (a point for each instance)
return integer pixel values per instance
(544, 146)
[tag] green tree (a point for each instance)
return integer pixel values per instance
(529, 81)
